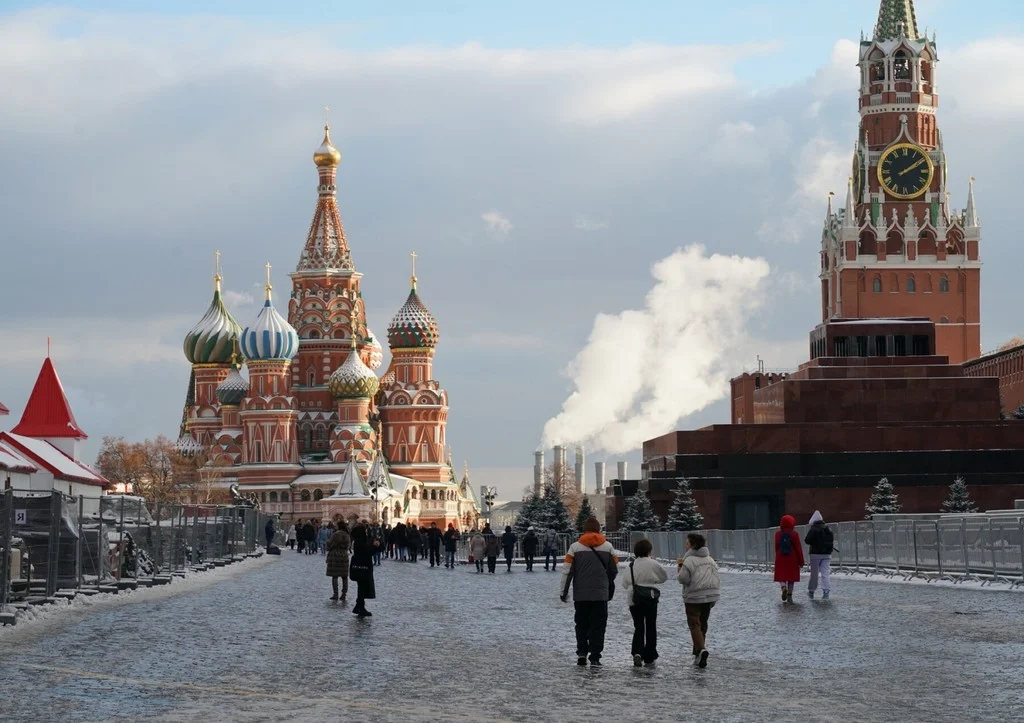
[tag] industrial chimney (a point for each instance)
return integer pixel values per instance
(558, 464)
(599, 476)
(581, 474)
(622, 470)
(538, 471)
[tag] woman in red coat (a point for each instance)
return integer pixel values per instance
(789, 557)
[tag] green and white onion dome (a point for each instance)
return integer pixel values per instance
(233, 389)
(212, 340)
(376, 352)
(413, 327)
(270, 337)
(353, 379)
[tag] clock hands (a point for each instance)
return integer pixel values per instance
(911, 168)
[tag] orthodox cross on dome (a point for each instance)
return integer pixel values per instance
(268, 287)
(327, 116)
(216, 270)
(412, 255)
(896, 19)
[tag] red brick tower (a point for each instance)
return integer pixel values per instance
(326, 295)
(896, 248)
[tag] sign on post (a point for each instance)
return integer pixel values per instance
(21, 517)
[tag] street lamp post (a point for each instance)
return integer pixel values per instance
(490, 494)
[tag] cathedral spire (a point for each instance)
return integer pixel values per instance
(848, 214)
(326, 248)
(896, 19)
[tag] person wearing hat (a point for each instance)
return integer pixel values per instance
(590, 567)
(529, 545)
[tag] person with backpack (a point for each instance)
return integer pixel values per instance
(642, 600)
(789, 557)
(821, 543)
(702, 586)
(590, 567)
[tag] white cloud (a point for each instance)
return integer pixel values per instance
(497, 223)
(584, 223)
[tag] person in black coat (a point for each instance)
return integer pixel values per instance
(508, 544)
(529, 545)
(402, 540)
(451, 541)
(309, 534)
(434, 544)
(269, 531)
(361, 569)
(300, 536)
(414, 540)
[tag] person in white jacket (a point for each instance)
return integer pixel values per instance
(702, 586)
(642, 597)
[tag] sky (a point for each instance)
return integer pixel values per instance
(552, 164)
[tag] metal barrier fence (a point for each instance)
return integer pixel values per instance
(53, 545)
(983, 548)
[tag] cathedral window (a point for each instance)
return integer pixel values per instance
(318, 494)
(944, 285)
(433, 494)
(876, 284)
(312, 378)
(273, 496)
(284, 496)
(304, 496)
(314, 334)
(911, 285)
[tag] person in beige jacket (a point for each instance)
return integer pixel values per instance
(702, 586)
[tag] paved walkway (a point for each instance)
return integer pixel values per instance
(264, 643)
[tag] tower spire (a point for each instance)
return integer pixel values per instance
(971, 213)
(326, 248)
(896, 19)
(269, 287)
(848, 220)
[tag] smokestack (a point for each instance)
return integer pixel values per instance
(581, 473)
(558, 462)
(538, 471)
(599, 476)
(622, 470)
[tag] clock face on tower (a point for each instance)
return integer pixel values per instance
(905, 170)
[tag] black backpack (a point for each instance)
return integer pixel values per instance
(786, 543)
(827, 540)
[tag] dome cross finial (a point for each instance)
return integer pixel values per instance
(217, 278)
(268, 287)
(412, 255)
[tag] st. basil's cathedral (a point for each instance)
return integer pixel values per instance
(313, 431)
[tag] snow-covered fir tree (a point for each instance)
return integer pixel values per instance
(555, 513)
(959, 499)
(639, 515)
(683, 515)
(884, 500)
(528, 514)
(585, 511)
(1018, 413)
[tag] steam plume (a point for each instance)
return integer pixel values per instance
(642, 370)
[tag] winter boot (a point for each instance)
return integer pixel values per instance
(810, 594)
(582, 660)
(702, 659)
(824, 595)
(785, 594)
(637, 661)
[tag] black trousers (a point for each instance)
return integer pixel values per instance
(529, 561)
(435, 555)
(645, 630)
(509, 552)
(492, 562)
(550, 555)
(591, 621)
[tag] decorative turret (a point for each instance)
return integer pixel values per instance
(270, 337)
(326, 248)
(413, 327)
(353, 379)
(971, 213)
(233, 389)
(211, 340)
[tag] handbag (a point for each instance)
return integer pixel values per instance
(471, 560)
(607, 570)
(358, 571)
(643, 593)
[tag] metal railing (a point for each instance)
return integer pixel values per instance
(53, 545)
(973, 547)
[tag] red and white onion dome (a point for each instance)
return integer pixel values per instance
(413, 327)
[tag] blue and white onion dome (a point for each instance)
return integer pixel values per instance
(270, 337)
(375, 352)
(353, 379)
(233, 389)
(212, 339)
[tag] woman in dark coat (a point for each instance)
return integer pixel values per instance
(491, 549)
(361, 569)
(508, 544)
(338, 546)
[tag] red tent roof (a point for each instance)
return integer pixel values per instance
(4, 410)
(48, 413)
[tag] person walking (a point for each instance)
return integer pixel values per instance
(309, 535)
(529, 547)
(269, 531)
(702, 586)
(642, 599)
(820, 541)
(361, 569)
(434, 544)
(338, 546)
(412, 539)
(402, 541)
(551, 549)
(508, 544)
(478, 550)
(590, 568)
(451, 541)
(300, 535)
(789, 557)
(493, 547)
(324, 535)
(377, 536)
(290, 537)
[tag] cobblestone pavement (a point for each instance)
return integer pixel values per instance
(267, 644)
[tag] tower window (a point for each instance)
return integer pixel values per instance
(944, 285)
(318, 494)
(901, 66)
(876, 285)
(312, 378)
(314, 334)
(911, 285)
(273, 496)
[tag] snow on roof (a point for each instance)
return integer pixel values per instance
(48, 413)
(12, 460)
(52, 459)
(321, 479)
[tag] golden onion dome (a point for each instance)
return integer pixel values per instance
(327, 155)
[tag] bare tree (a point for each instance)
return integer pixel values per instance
(563, 481)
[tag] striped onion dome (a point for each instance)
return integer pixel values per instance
(270, 337)
(376, 352)
(353, 379)
(211, 341)
(413, 327)
(233, 389)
